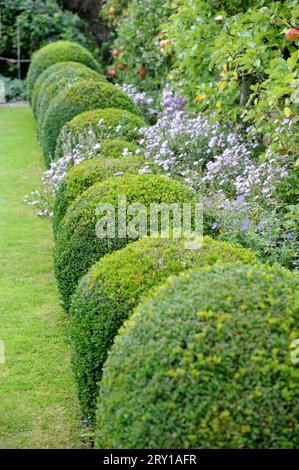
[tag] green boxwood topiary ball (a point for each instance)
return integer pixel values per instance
(78, 246)
(114, 123)
(81, 96)
(114, 286)
(59, 51)
(53, 80)
(116, 148)
(206, 364)
(82, 176)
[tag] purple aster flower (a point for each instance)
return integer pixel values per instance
(240, 199)
(245, 225)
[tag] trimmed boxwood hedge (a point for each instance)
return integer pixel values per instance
(59, 51)
(53, 80)
(118, 148)
(114, 148)
(206, 364)
(82, 176)
(111, 120)
(81, 96)
(107, 295)
(77, 245)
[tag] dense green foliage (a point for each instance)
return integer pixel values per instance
(81, 96)
(139, 58)
(140, 47)
(53, 80)
(39, 23)
(60, 51)
(114, 148)
(205, 364)
(15, 89)
(82, 176)
(104, 123)
(78, 245)
(107, 295)
(113, 9)
(238, 64)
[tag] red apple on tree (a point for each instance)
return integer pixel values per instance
(111, 73)
(291, 34)
(115, 53)
(142, 73)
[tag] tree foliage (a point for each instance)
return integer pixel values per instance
(240, 66)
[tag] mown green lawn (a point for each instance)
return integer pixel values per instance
(38, 405)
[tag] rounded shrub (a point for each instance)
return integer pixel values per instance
(54, 79)
(114, 286)
(205, 363)
(59, 51)
(81, 96)
(78, 244)
(105, 123)
(115, 148)
(82, 176)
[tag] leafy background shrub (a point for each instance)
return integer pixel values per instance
(55, 79)
(40, 23)
(113, 9)
(103, 123)
(60, 51)
(138, 59)
(195, 370)
(82, 176)
(90, 12)
(77, 245)
(15, 89)
(272, 234)
(107, 295)
(81, 96)
(238, 65)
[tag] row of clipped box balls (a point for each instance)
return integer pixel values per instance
(257, 300)
(169, 379)
(64, 81)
